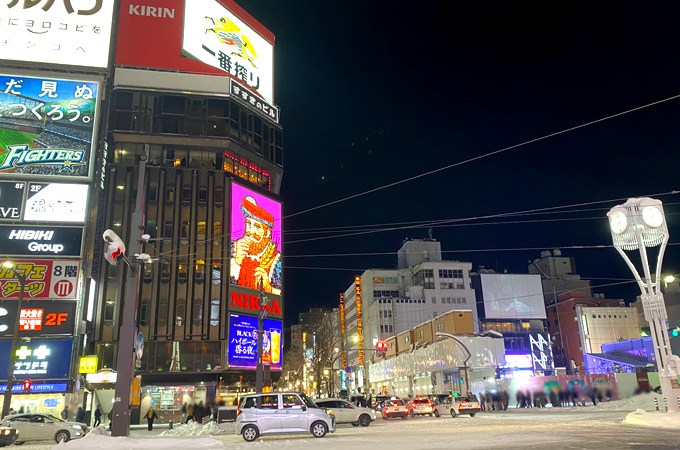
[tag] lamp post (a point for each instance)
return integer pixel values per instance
(637, 224)
(21, 277)
(465, 363)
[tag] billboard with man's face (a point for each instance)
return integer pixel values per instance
(47, 126)
(255, 240)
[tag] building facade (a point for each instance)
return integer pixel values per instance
(558, 275)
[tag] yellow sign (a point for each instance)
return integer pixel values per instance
(88, 364)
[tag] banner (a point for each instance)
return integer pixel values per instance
(45, 279)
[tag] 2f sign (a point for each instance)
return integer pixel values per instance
(538, 351)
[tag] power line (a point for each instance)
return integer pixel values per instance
(486, 155)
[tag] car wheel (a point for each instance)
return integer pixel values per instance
(319, 429)
(364, 420)
(436, 413)
(404, 417)
(250, 433)
(472, 414)
(453, 413)
(62, 436)
(355, 424)
(430, 414)
(384, 416)
(19, 443)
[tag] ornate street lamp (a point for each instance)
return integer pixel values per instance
(637, 224)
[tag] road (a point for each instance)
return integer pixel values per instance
(576, 428)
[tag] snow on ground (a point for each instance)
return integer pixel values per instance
(642, 401)
(196, 429)
(100, 438)
(655, 419)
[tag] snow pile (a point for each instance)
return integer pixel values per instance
(196, 429)
(125, 443)
(642, 401)
(662, 420)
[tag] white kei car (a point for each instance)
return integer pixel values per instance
(281, 413)
(345, 412)
(43, 427)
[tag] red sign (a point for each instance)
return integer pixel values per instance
(150, 35)
(45, 279)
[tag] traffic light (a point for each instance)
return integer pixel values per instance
(27, 385)
(115, 248)
(676, 332)
(381, 348)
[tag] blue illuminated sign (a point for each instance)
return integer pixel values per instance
(45, 387)
(39, 359)
(243, 342)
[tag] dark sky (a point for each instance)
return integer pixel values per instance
(375, 92)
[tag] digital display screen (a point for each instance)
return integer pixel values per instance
(217, 37)
(522, 361)
(255, 240)
(243, 342)
(509, 296)
(47, 126)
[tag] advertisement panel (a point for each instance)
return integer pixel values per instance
(56, 202)
(214, 35)
(20, 240)
(73, 32)
(141, 44)
(47, 126)
(45, 279)
(39, 318)
(255, 240)
(242, 346)
(510, 296)
(38, 359)
(11, 200)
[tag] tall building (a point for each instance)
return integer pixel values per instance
(199, 108)
(385, 302)
(52, 121)
(558, 275)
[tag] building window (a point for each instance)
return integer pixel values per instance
(440, 326)
(406, 338)
(434, 299)
(420, 334)
(108, 311)
(179, 316)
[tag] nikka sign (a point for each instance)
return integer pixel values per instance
(250, 303)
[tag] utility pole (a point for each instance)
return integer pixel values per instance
(126, 336)
(15, 337)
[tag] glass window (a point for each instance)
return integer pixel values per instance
(108, 311)
(291, 401)
(269, 402)
(219, 196)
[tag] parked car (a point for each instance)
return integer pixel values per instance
(395, 408)
(7, 436)
(281, 413)
(345, 412)
(422, 406)
(42, 427)
(379, 401)
(458, 405)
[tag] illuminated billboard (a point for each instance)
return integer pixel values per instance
(38, 318)
(255, 240)
(509, 296)
(47, 126)
(56, 202)
(215, 36)
(38, 359)
(72, 32)
(11, 200)
(45, 279)
(20, 240)
(243, 342)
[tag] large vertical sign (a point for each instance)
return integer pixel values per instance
(255, 240)
(47, 126)
(69, 32)
(541, 352)
(360, 327)
(216, 36)
(342, 329)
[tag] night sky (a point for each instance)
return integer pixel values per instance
(372, 93)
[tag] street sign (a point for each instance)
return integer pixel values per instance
(348, 369)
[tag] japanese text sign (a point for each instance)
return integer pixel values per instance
(47, 126)
(38, 318)
(64, 32)
(38, 359)
(45, 279)
(243, 342)
(88, 364)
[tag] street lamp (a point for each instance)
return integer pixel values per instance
(469, 355)
(9, 265)
(637, 224)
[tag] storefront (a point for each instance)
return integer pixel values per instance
(47, 398)
(168, 401)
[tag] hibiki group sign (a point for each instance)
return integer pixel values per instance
(45, 279)
(68, 32)
(243, 342)
(46, 126)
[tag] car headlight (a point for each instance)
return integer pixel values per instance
(6, 432)
(77, 427)
(330, 412)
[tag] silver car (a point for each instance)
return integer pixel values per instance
(281, 413)
(43, 427)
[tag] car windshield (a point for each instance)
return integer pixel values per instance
(398, 402)
(308, 401)
(55, 418)
(421, 400)
(467, 399)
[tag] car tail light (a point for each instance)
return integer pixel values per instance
(394, 404)
(429, 403)
(413, 404)
(387, 411)
(405, 409)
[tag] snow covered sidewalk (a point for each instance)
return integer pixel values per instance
(196, 429)
(100, 438)
(654, 419)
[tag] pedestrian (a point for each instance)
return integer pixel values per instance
(190, 412)
(97, 416)
(21, 410)
(184, 413)
(80, 415)
(11, 411)
(64, 413)
(110, 417)
(199, 412)
(150, 416)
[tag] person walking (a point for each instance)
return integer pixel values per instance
(199, 412)
(97, 416)
(190, 412)
(80, 415)
(150, 416)
(64, 413)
